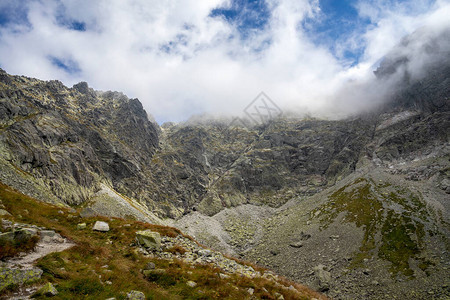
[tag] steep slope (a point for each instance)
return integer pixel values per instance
(60, 144)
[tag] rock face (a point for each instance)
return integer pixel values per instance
(59, 143)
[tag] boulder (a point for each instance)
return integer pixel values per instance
(323, 278)
(135, 295)
(48, 290)
(149, 239)
(101, 226)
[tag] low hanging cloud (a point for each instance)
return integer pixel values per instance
(180, 59)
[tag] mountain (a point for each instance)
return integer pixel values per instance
(356, 208)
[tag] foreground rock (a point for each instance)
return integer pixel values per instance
(10, 277)
(101, 226)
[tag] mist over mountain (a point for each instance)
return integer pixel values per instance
(309, 57)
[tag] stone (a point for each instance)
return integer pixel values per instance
(101, 226)
(296, 244)
(278, 296)
(250, 291)
(192, 284)
(323, 276)
(4, 213)
(81, 226)
(135, 295)
(13, 276)
(150, 266)
(48, 290)
(223, 276)
(149, 239)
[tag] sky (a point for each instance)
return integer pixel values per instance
(188, 57)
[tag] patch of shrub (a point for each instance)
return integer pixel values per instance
(13, 248)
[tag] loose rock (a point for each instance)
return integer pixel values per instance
(81, 226)
(149, 239)
(135, 295)
(101, 226)
(192, 284)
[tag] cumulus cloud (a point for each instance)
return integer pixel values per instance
(179, 59)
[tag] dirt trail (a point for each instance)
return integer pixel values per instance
(25, 262)
(42, 249)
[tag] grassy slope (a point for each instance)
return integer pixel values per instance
(82, 271)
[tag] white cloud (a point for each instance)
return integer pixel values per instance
(179, 61)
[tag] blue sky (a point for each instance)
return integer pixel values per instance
(338, 20)
(185, 57)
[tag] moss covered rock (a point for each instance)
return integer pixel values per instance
(149, 239)
(15, 277)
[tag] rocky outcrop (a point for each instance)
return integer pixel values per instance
(69, 140)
